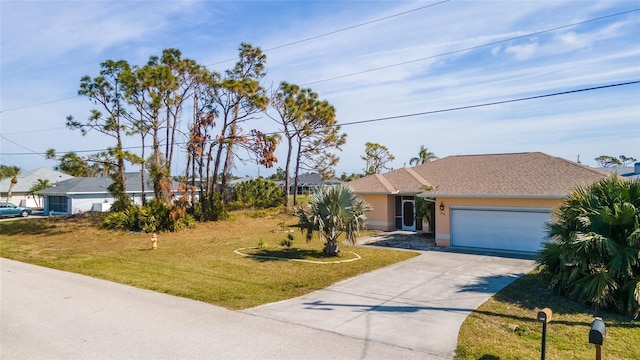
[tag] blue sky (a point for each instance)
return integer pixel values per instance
(452, 54)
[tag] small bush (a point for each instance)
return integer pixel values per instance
(155, 216)
(258, 193)
(287, 242)
(118, 220)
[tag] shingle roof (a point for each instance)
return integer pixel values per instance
(521, 174)
(26, 181)
(98, 185)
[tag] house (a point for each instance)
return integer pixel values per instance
(306, 183)
(499, 201)
(626, 172)
(19, 193)
(82, 194)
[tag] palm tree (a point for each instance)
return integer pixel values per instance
(595, 255)
(40, 185)
(14, 181)
(331, 212)
(424, 155)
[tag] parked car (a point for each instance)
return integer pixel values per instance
(9, 209)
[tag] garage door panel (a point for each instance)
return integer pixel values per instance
(499, 229)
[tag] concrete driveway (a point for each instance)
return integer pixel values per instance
(418, 304)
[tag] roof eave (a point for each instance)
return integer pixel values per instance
(498, 196)
(376, 192)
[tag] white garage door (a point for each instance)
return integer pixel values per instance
(518, 230)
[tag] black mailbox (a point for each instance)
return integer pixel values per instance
(598, 332)
(544, 315)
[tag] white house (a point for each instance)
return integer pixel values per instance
(19, 194)
(82, 194)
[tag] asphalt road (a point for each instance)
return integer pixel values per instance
(50, 314)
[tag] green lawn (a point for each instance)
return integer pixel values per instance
(505, 327)
(201, 264)
(198, 263)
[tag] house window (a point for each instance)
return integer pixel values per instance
(58, 204)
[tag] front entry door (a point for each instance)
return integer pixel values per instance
(408, 215)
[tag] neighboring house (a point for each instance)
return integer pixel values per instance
(627, 172)
(499, 201)
(306, 183)
(82, 194)
(25, 182)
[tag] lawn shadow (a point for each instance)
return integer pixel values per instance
(34, 227)
(531, 293)
(263, 255)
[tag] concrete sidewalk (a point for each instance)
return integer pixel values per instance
(50, 314)
(417, 304)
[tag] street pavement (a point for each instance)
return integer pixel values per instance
(50, 314)
(410, 310)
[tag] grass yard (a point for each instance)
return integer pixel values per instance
(504, 327)
(198, 263)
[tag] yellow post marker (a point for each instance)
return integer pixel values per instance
(154, 241)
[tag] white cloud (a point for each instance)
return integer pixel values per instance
(53, 44)
(522, 52)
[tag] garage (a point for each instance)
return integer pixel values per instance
(515, 229)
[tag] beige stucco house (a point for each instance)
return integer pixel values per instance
(498, 201)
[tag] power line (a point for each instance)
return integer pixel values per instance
(34, 131)
(270, 49)
(430, 112)
(469, 48)
(37, 104)
(395, 64)
(338, 31)
(22, 146)
(490, 103)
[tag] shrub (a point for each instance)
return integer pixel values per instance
(258, 193)
(287, 242)
(595, 255)
(156, 215)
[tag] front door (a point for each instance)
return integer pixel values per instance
(408, 215)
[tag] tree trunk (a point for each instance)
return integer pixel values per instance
(143, 197)
(227, 161)
(331, 248)
(14, 181)
(296, 174)
(287, 171)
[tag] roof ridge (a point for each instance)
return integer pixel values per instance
(586, 167)
(387, 185)
(417, 176)
(494, 154)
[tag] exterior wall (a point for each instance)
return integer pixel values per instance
(443, 224)
(80, 203)
(21, 199)
(382, 217)
(85, 203)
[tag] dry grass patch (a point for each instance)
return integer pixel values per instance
(504, 327)
(198, 263)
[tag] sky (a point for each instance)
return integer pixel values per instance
(423, 64)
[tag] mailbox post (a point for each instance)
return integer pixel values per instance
(596, 336)
(544, 316)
